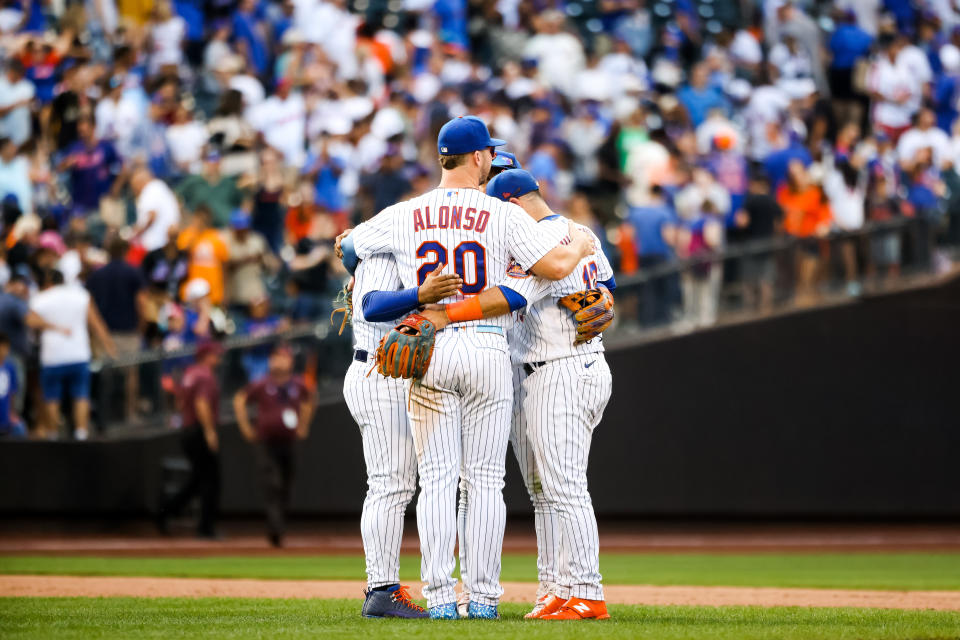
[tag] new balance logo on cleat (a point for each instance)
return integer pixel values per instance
(580, 609)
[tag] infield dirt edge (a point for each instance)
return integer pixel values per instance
(156, 587)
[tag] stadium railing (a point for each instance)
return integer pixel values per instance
(677, 296)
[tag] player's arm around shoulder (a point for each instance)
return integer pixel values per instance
(546, 250)
(560, 261)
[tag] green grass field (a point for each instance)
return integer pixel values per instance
(143, 618)
(164, 618)
(837, 571)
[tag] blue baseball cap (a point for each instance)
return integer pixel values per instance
(506, 160)
(463, 135)
(512, 184)
(240, 219)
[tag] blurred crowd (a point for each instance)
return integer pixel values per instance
(191, 162)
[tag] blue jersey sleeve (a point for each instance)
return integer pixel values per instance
(610, 284)
(384, 306)
(514, 299)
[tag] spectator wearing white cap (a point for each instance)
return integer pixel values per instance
(197, 310)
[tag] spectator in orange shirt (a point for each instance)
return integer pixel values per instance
(207, 253)
(300, 214)
(807, 216)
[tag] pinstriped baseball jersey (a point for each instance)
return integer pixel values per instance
(545, 330)
(376, 273)
(378, 405)
(464, 231)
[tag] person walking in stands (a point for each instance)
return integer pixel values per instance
(65, 351)
(284, 408)
(200, 406)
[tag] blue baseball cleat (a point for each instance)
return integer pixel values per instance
(446, 611)
(392, 603)
(482, 611)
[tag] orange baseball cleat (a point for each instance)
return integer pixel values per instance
(579, 609)
(545, 605)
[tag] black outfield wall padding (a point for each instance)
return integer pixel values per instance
(850, 411)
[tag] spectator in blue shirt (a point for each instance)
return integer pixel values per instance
(775, 165)
(262, 322)
(192, 13)
(42, 71)
(946, 87)
(452, 15)
(327, 170)
(249, 35)
(283, 21)
(654, 227)
(699, 97)
(11, 425)
(903, 11)
(93, 165)
(848, 44)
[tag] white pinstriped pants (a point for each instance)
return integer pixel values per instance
(460, 417)
(544, 516)
(378, 405)
(563, 401)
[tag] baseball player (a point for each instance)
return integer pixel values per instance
(504, 161)
(459, 411)
(564, 384)
(377, 404)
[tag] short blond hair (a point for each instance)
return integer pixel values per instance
(454, 161)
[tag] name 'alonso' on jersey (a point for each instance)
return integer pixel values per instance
(545, 331)
(461, 231)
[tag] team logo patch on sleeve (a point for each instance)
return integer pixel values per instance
(516, 271)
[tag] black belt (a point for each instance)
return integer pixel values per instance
(530, 367)
(360, 355)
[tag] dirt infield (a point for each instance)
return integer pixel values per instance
(67, 586)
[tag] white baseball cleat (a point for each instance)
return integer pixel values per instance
(463, 604)
(546, 604)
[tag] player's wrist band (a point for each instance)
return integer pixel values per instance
(465, 310)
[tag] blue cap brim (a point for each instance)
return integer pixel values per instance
(496, 142)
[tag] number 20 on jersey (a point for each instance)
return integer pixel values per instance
(469, 262)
